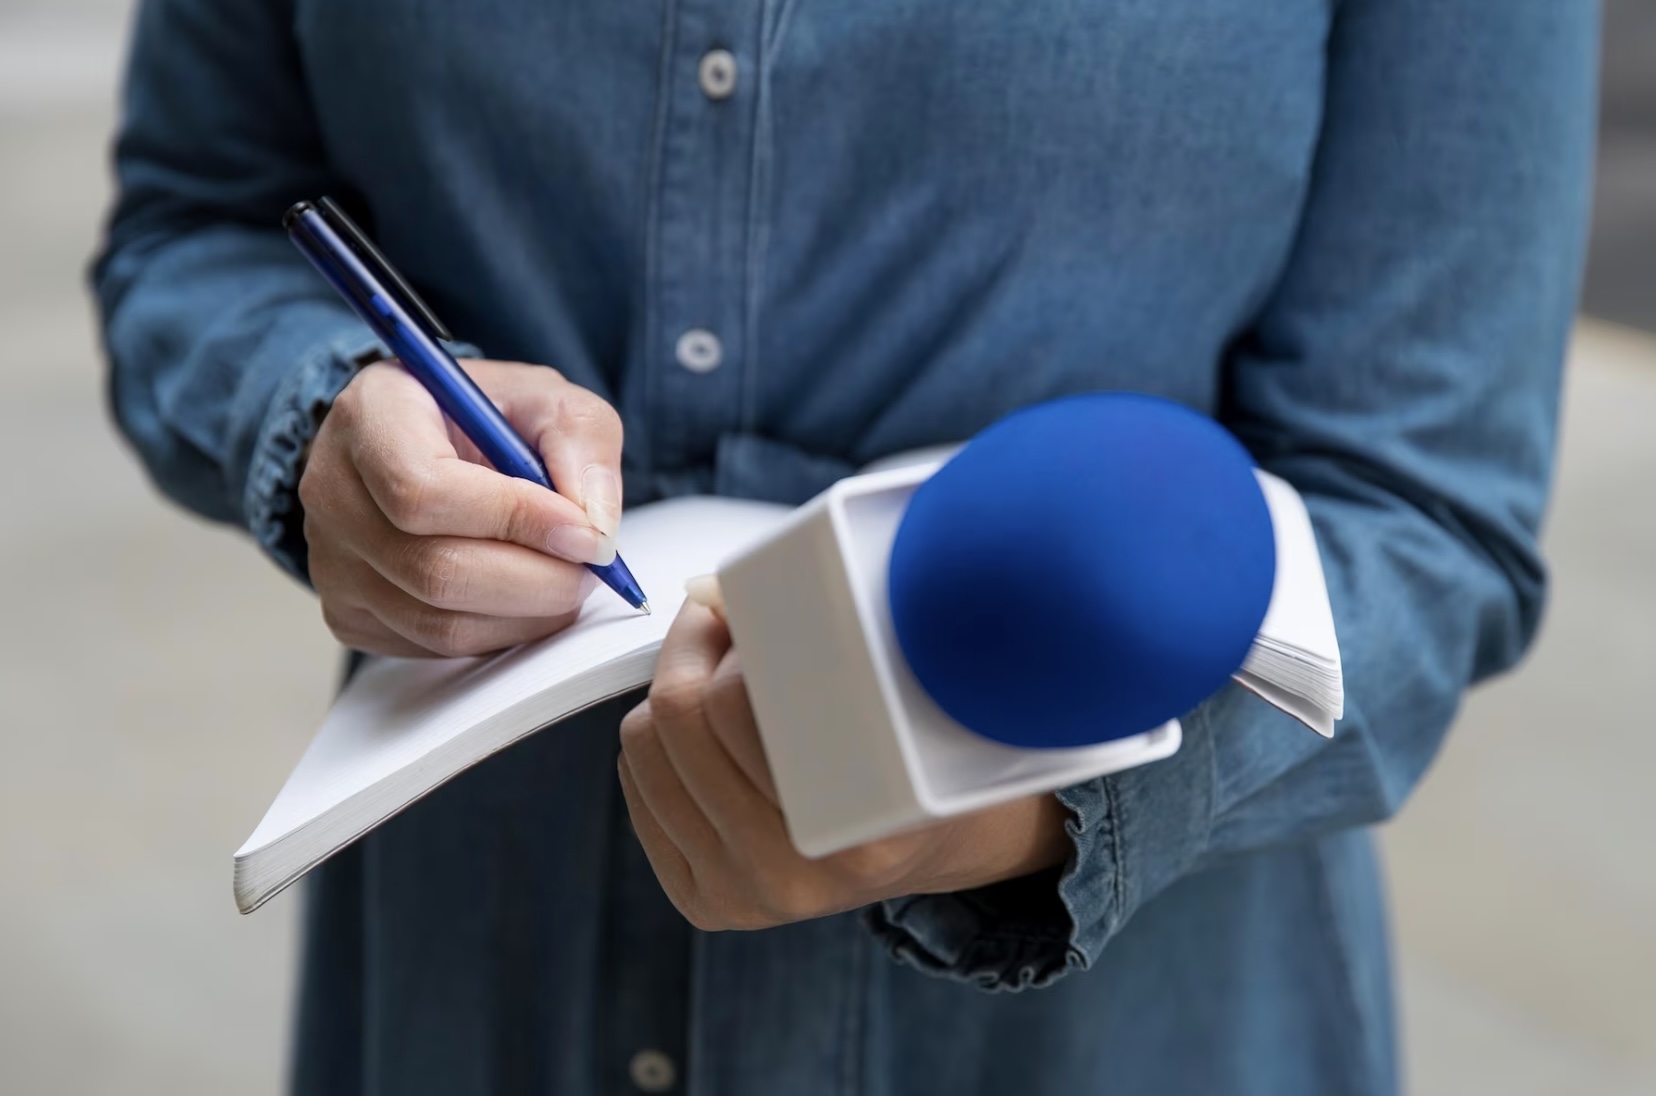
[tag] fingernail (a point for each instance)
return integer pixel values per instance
(581, 544)
(704, 591)
(601, 489)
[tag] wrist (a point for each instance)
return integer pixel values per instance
(1002, 843)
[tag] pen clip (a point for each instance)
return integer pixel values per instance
(359, 242)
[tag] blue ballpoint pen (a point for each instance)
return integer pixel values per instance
(405, 323)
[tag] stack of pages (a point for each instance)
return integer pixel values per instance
(1295, 660)
(403, 727)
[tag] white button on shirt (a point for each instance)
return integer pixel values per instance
(652, 1071)
(717, 74)
(699, 351)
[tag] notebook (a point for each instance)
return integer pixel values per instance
(404, 727)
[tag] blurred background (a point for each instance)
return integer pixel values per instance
(159, 679)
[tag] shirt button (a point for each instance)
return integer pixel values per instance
(652, 1071)
(699, 351)
(717, 74)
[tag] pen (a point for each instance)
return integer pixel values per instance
(405, 323)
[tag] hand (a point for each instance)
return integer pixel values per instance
(418, 548)
(705, 809)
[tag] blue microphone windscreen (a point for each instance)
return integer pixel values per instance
(1083, 570)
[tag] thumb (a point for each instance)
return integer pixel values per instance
(704, 590)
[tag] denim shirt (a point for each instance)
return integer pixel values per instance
(1350, 230)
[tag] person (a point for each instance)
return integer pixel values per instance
(744, 248)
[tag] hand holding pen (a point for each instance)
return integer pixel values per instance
(418, 548)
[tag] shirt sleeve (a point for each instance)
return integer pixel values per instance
(1405, 378)
(225, 347)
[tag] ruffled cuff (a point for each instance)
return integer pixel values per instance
(1006, 937)
(271, 498)
(1132, 833)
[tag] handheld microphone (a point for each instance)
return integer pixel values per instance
(1083, 570)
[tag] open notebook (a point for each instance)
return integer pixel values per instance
(403, 727)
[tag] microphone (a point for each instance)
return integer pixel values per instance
(1083, 570)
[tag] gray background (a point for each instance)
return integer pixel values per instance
(1621, 278)
(159, 679)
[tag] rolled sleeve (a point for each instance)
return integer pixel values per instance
(270, 500)
(320, 372)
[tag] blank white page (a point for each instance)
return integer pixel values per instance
(396, 711)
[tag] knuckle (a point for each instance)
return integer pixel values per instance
(678, 699)
(721, 909)
(403, 495)
(337, 621)
(448, 634)
(523, 520)
(346, 627)
(310, 487)
(701, 917)
(439, 574)
(314, 534)
(636, 728)
(346, 409)
(584, 413)
(727, 697)
(789, 899)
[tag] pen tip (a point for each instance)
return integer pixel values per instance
(645, 606)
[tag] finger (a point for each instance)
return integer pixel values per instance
(695, 642)
(444, 632)
(487, 577)
(730, 714)
(575, 431)
(677, 877)
(402, 452)
(332, 572)
(360, 630)
(434, 495)
(679, 698)
(663, 792)
(705, 591)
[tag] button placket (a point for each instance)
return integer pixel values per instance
(700, 270)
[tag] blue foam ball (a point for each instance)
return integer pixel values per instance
(1083, 570)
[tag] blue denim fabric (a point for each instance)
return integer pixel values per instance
(1351, 230)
